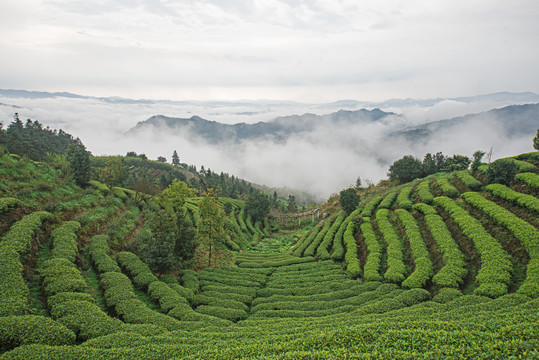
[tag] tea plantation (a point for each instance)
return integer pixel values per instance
(441, 267)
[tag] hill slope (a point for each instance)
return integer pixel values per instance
(444, 266)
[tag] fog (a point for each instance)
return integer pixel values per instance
(322, 162)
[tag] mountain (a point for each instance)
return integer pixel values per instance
(514, 120)
(277, 130)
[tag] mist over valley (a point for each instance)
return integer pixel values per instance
(319, 148)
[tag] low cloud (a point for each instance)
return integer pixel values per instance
(322, 161)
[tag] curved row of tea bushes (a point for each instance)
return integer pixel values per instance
(241, 238)
(423, 265)
(353, 266)
(368, 292)
(30, 329)
(395, 265)
(351, 291)
(525, 200)
(173, 283)
(454, 269)
(322, 252)
(388, 200)
(311, 249)
(276, 263)
(371, 206)
(338, 246)
(527, 234)
(447, 188)
(423, 192)
(65, 288)
(8, 203)
(102, 188)
(64, 241)
(306, 240)
(530, 179)
(496, 267)
(250, 226)
(469, 181)
(403, 199)
(304, 279)
(190, 280)
(524, 166)
(14, 245)
(371, 270)
(326, 287)
(119, 293)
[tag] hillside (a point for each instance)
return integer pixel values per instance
(444, 266)
(277, 130)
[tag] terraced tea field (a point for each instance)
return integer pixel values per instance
(443, 267)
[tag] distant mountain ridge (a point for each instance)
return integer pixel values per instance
(277, 130)
(514, 120)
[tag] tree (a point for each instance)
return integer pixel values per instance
(358, 183)
(115, 171)
(477, 156)
(349, 200)
(456, 163)
(79, 163)
(536, 141)
(162, 159)
(257, 205)
(212, 223)
(429, 165)
(502, 171)
(406, 169)
(292, 207)
(175, 194)
(175, 159)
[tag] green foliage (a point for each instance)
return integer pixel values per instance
(14, 245)
(115, 171)
(447, 188)
(353, 266)
(211, 226)
(257, 205)
(79, 163)
(529, 179)
(388, 201)
(64, 241)
(456, 163)
(8, 203)
(371, 205)
(501, 171)
(454, 269)
(349, 200)
(338, 248)
(405, 169)
(403, 199)
(311, 249)
(446, 295)
(423, 265)
(29, 329)
(468, 180)
(99, 253)
(322, 250)
(527, 234)
(502, 191)
(477, 156)
(496, 267)
(396, 269)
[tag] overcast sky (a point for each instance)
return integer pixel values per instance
(305, 50)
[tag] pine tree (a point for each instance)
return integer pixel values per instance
(79, 163)
(175, 159)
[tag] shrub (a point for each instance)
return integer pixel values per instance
(396, 268)
(501, 171)
(29, 329)
(403, 199)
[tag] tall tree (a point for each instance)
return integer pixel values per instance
(175, 159)
(257, 205)
(292, 207)
(175, 195)
(79, 163)
(349, 200)
(536, 141)
(212, 224)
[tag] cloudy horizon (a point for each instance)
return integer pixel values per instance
(308, 50)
